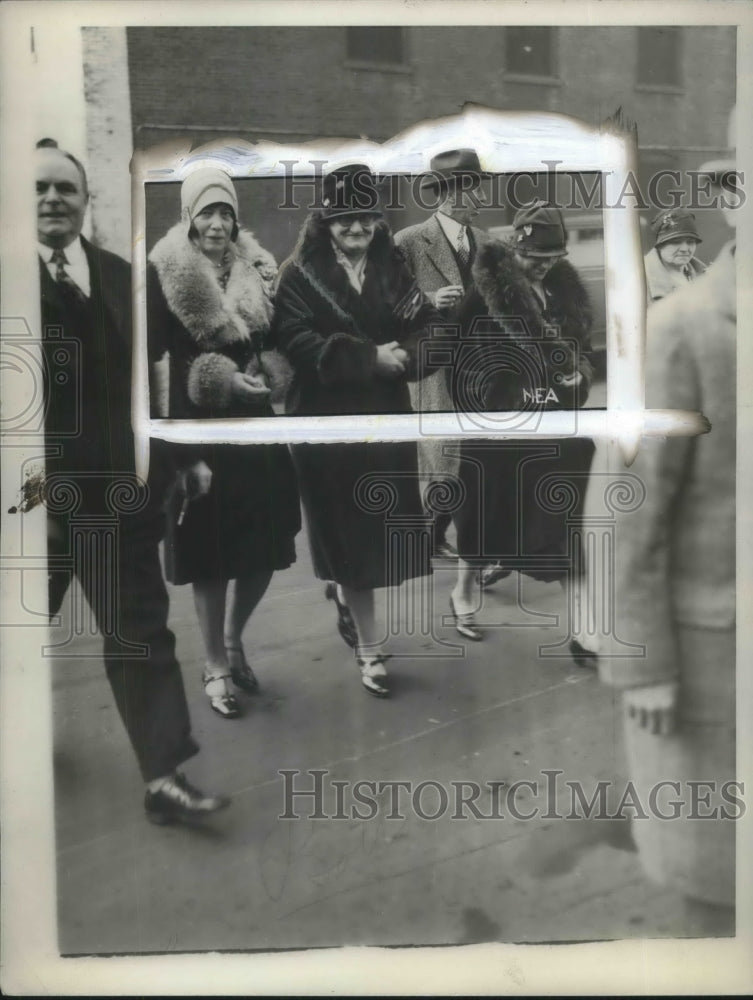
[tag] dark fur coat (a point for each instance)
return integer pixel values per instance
(330, 334)
(533, 345)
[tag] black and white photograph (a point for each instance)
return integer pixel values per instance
(371, 446)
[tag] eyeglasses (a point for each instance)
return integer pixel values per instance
(364, 219)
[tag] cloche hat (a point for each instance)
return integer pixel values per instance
(350, 190)
(674, 224)
(540, 230)
(207, 186)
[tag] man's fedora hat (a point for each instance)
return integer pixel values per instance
(445, 169)
(350, 190)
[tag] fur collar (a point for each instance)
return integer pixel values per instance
(215, 319)
(658, 278)
(314, 251)
(502, 284)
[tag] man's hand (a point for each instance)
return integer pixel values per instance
(195, 481)
(654, 707)
(249, 388)
(447, 296)
(391, 359)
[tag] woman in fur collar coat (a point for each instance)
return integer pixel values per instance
(521, 291)
(672, 263)
(234, 511)
(348, 315)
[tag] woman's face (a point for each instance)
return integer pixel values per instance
(353, 233)
(214, 228)
(536, 268)
(677, 253)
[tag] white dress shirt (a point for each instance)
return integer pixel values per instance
(77, 267)
(454, 231)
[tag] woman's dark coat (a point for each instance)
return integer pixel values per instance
(512, 511)
(249, 519)
(330, 335)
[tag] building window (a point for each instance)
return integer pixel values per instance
(530, 52)
(659, 57)
(380, 46)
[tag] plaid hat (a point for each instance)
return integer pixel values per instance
(207, 186)
(446, 168)
(350, 190)
(674, 224)
(540, 230)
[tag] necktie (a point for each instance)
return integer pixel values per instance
(462, 251)
(64, 280)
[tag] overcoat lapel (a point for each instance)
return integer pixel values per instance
(439, 253)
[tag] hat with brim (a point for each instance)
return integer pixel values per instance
(350, 190)
(674, 224)
(447, 169)
(204, 187)
(540, 231)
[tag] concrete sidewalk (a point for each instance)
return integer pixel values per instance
(250, 880)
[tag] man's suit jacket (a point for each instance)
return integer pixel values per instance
(88, 350)
(430, 258)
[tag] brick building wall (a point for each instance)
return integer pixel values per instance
(300, 80)
(296, 83)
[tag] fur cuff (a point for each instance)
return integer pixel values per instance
(346, 359)
(279, 374)
(210, 381)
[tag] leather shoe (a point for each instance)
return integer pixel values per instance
(178, 801)
(345, 624)
(492, 573)
(466, 624)
(221, 700)
(240, 670)
(444, 550)
(583, 657)
(374, 677)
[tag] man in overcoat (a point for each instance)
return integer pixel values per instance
(440, 252)
(675, 595)
(104, 524)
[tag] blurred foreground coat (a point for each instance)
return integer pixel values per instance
(675, 583)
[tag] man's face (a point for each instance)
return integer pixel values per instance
(461, 205)
(61, 199)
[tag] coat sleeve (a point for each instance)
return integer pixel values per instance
(417, 323)
(333, 358)
(644, 537)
